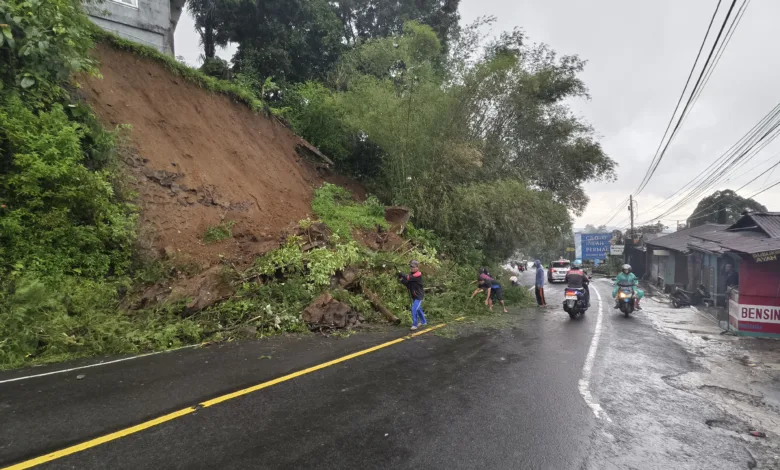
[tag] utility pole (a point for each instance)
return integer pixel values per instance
(631, 210)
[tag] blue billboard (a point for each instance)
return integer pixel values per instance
(592, 246)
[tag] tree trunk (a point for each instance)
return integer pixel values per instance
(209, 48)
(377, 304)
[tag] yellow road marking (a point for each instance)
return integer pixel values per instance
(191, 409)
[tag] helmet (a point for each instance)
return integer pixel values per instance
(577, 264)
(483, 270)
(626, 267)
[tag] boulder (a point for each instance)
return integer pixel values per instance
(398, 217)
(327, 312)
(348, 277)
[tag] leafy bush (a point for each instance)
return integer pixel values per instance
(219, 232)
(335, 206)
(58, 217)
(318, 264)
(216, 67)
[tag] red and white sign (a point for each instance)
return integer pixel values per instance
(754, 318)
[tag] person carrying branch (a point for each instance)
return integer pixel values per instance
(413, 282)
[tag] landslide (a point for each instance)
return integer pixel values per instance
(199, 160)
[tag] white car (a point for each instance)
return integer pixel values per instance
(558, 271)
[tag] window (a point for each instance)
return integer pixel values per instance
(129, 3)
(560, 264)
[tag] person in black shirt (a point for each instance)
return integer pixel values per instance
(577, 279)
(731, 276)
(413, 282)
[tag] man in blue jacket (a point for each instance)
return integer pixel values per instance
(539, 289)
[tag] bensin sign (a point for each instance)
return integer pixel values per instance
(755, 318)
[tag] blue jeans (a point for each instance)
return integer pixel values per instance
(417, 310)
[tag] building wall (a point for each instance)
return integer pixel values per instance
(759, 283)
(149, 23)
(680, 269)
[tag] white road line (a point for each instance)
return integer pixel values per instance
(587, 368)
(63, 371)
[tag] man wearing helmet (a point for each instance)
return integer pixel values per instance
(628, 278)
(577, 279)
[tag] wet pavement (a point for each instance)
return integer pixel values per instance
(532, 389)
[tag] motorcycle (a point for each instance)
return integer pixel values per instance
(683, 298)
(575, 304)
(626, 299)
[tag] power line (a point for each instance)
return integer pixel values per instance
(737, 155)
(662, 148)
(721, 50)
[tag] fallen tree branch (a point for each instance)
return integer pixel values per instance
(377, 304)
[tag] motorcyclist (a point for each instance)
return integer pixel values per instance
(626, 277)
(577, 279)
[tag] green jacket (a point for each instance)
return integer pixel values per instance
(624, 278)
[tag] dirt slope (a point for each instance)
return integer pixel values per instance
(199, 160)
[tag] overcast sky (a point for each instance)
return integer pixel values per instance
(639, 55)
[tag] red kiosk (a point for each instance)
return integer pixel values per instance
(754, 306)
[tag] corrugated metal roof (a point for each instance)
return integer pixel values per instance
(743, 241)
(679, 240)
(704, 245)
(769, 222)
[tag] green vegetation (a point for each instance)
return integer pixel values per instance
(219, 232)
(334, 205)
(474, 136)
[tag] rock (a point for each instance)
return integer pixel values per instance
(169, 252)
(249, 331)
(207, 288)
(80, 377)
(327, 312)
(348, 277)
(398, 216)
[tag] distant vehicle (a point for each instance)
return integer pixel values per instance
(558, 271)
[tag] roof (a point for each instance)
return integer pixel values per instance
(769, 222)
(706, 246)
(743, 241)
(678, 241)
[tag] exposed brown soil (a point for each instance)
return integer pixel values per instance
(200, 160)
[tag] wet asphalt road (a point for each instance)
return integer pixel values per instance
(502, 395)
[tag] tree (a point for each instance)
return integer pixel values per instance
(650, 228)
(592, 229)
(289, 40)
(722, 207)
(210, 17)
(370, 19)
(483, 149)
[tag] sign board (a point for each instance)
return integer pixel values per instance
(765, 256)
(594, 246)
(754, 318)
(617, 250)
(661, 252)
(570, 249)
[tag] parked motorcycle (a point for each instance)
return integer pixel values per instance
(683, 298)
(575, 304)
(626, 299)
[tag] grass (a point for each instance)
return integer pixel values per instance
(335, 206)
(220, 232)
